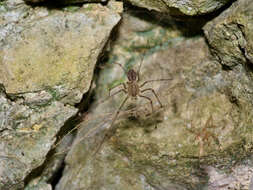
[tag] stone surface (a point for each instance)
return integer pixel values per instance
(200, 126)
(49, 51)
(230, 39)
(187, 7)
(47, 60)
(230, 34)
(65, 1)
(38, 185)
(27, 135)
(238, 178)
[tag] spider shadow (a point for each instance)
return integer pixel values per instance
(144, 119)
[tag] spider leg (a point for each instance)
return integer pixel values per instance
(152, 90)
(113, 120)
(148, 81)
(151, 103)
(110, 89)
(117, 113)
(120, 90)
(121, 67)
(139, 69)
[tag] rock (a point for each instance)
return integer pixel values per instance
(239, 178)
(65, 1)
(38, 185)
(27, 135)
(47, 60)
(230, 39)
(50, 52)
(230, 34)
(198, 127)
(186, 7)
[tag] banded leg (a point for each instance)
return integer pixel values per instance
(121, 67)
(139, 69)
(121, 90)
(113, 120)
(123, 84)
(148, 81)
(152, 90)
(151, 103)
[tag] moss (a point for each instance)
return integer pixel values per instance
(71, 8)
(54, 93)
(3, 6)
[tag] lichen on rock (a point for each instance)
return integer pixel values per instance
(47, 60)
(186, 7)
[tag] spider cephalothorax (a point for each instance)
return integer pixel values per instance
(131, 75)
(133, 89)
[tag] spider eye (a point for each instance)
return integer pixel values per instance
(131, 75)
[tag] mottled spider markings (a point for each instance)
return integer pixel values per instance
(204, 135)
(133, 90)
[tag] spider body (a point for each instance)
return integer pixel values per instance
(133, 90)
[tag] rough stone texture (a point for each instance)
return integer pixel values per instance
(47, 57)
(230, 38)
(187, 7)
(65, 1)
(199, 127)
(230, 34)
(36, 184)
(54, 51)
(27, 135)
(238, 178)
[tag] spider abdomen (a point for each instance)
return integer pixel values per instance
(133, 89)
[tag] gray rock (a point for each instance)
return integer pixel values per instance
(238, 178)
(251, 183)
(230, 34)
(47, 60)
(38, 185)
(50, 52)
(230, 39)
(27, 135)
(187, 7)
(199, 126)
(66, 1)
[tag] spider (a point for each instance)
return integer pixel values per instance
(134, 90)
(203, 135)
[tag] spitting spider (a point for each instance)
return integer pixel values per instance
(133, 90)
(204, 135)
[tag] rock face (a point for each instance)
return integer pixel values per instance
(187, 7)
(26, 137)
(173, 148)
(201, 138)
(35, 57)
(230, 34)
(230, 38)
(65, 1)
(47, 59)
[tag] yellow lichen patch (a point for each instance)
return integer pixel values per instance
(59, 50)
(36, 127)
(25, 130)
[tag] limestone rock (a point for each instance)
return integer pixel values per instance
(65, 1)
(187, 7)
(47, 60)
(55, 52)
(230, 34)
(27, 135)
